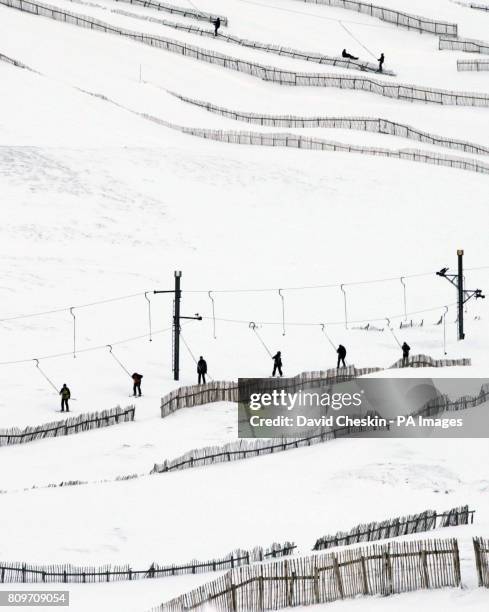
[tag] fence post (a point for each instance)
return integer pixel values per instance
(388, 570)
(424, 568)
(339, 582)
(316, 584)
(364, 575)
(477, 552)
(291, 590)
(456, 560)
(261, 605)
(233, 597)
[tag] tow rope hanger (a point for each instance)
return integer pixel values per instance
(323, 329)
(74, 331)
(149, 316)
(253, 327)
(109, 346)
(346, 307)
(392, 331)
(209, 293)
(45, 376)
(445, 330)
(405, 301)
(283, 311)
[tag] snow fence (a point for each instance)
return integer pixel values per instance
(411, 93)
(22, 572)
(480, 7)
(197, 395)
(178, 10)
(481, 549)
(226, 391)
(472, 65)
(14, 62)
(307, 56)
(73, 425)
(443, 403)
(245, 449)
(397, 567)
(400, 526)
(297, 141)
(400, 19)
(469, 45)
(363, 124)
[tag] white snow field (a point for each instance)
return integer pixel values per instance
(101, 204)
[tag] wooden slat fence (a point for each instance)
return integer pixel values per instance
(469, 45)
(83, 422)
(23, 572)
(472, 65)
(307, 56)
(267, 73)
(364, 124)
(245, 449)
(377, 570)
(297, 141)
(444, 404)
(225, 391)
(400, 19)
(197, 395)
(178, 10)
(481, 550)
(425, 361)
(14, 62)
(479, 7)
(400, 526)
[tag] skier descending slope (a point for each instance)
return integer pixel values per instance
(201, 370)
(65, 396)
(347, 55)
(405, 354)
(341, 356)
(277, 363)
(137, 378)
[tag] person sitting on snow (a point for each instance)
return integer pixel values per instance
(347, 55)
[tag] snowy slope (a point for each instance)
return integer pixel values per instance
(100, 203)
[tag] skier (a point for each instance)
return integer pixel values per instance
(381, 61)
(341, 356)
(137, 378)
(217, 25)
(201, 370)
(65, 396)
(347, 55)
(277, 363)
(405, 354)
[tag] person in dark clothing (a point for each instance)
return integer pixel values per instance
(341, 356)
(347, 55)
(201, 370)
(277, 364)
(405, 354)
(65, 396)
(381, 62)
(217, 25)
(137, 378)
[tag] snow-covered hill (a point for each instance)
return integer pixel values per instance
(99, 203)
